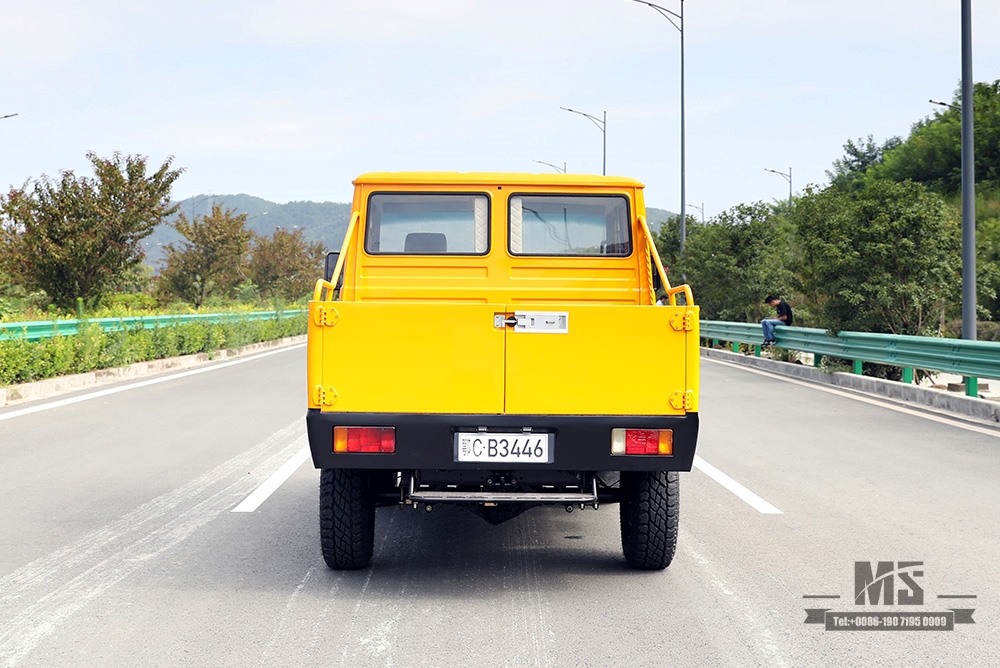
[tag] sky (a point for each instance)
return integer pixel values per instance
(291, 100)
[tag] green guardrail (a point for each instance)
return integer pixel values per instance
(42, 329)
(971, 359)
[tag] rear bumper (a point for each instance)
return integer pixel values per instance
(426, 441)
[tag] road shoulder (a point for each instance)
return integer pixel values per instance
(950, 404)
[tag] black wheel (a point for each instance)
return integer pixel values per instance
(346, 518)
(650, 514)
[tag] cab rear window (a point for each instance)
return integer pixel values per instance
(569, 225)
(427, 224)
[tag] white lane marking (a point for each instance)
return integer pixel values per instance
(755, 502)
(38, 598)
(268, 487)
(755, 617)
(144, 383)
(874, 402)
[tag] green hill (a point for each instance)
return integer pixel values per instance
(325, 222)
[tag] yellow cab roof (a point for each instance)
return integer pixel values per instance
(495, 178)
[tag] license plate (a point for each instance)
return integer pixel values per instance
(520, 448)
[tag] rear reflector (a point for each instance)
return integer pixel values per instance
(642, 441)
(364, 439)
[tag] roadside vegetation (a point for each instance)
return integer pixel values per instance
(24, 361)
(877, 249)
(73, 247)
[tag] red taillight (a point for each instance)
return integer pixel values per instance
(364, 439)
(642, 442)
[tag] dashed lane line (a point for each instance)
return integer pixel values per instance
(754, 501)
(269, 486)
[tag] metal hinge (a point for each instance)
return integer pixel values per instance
(324, 396)
(682, 322)
(682, 400)
(325, 316)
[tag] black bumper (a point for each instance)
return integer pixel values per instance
(426, 441)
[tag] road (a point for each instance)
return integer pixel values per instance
(120, 547)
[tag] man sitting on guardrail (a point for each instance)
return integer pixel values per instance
(784, 318)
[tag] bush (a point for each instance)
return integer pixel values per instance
(128, 303)
(25, 361)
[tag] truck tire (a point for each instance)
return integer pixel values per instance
(650, 514)
(346, 518)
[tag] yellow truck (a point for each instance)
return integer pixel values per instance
(492, 340)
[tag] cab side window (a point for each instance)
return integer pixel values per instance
(427, 224)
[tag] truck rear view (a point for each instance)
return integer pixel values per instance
(492, 341)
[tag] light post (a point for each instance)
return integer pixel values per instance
(603, 126)
(679, 24)
(195, 202)
(699, 208)
(945, 104)
(555, 167)
(8, 116)
(968, 193)
(966, 109)
(787, 177)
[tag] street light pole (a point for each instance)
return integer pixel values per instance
(788, 177)
(195, 201)
(555, 167)
(968, 193)
(679, 25)
(8, 116)
(602, 126)
(699, 208)
(945, 104)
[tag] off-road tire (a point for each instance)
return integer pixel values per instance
(650, 515)
(346, 518)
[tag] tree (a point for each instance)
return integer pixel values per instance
(886, 260)
(932, 154)
(988, 265)
(75, 237)
(212, 259)
(735, 260)
(668, 241)
(285, 264)
(849, 171)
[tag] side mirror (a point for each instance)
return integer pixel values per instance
(330, 264)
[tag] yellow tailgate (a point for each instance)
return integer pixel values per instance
(611, 360)
(398, 357)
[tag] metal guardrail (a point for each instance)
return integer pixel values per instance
(42, 329)
(972, 359)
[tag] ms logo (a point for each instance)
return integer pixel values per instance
(880, 583)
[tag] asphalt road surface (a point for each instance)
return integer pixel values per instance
(119, 544)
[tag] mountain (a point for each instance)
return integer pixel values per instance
(656, 217)
(325, 222)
